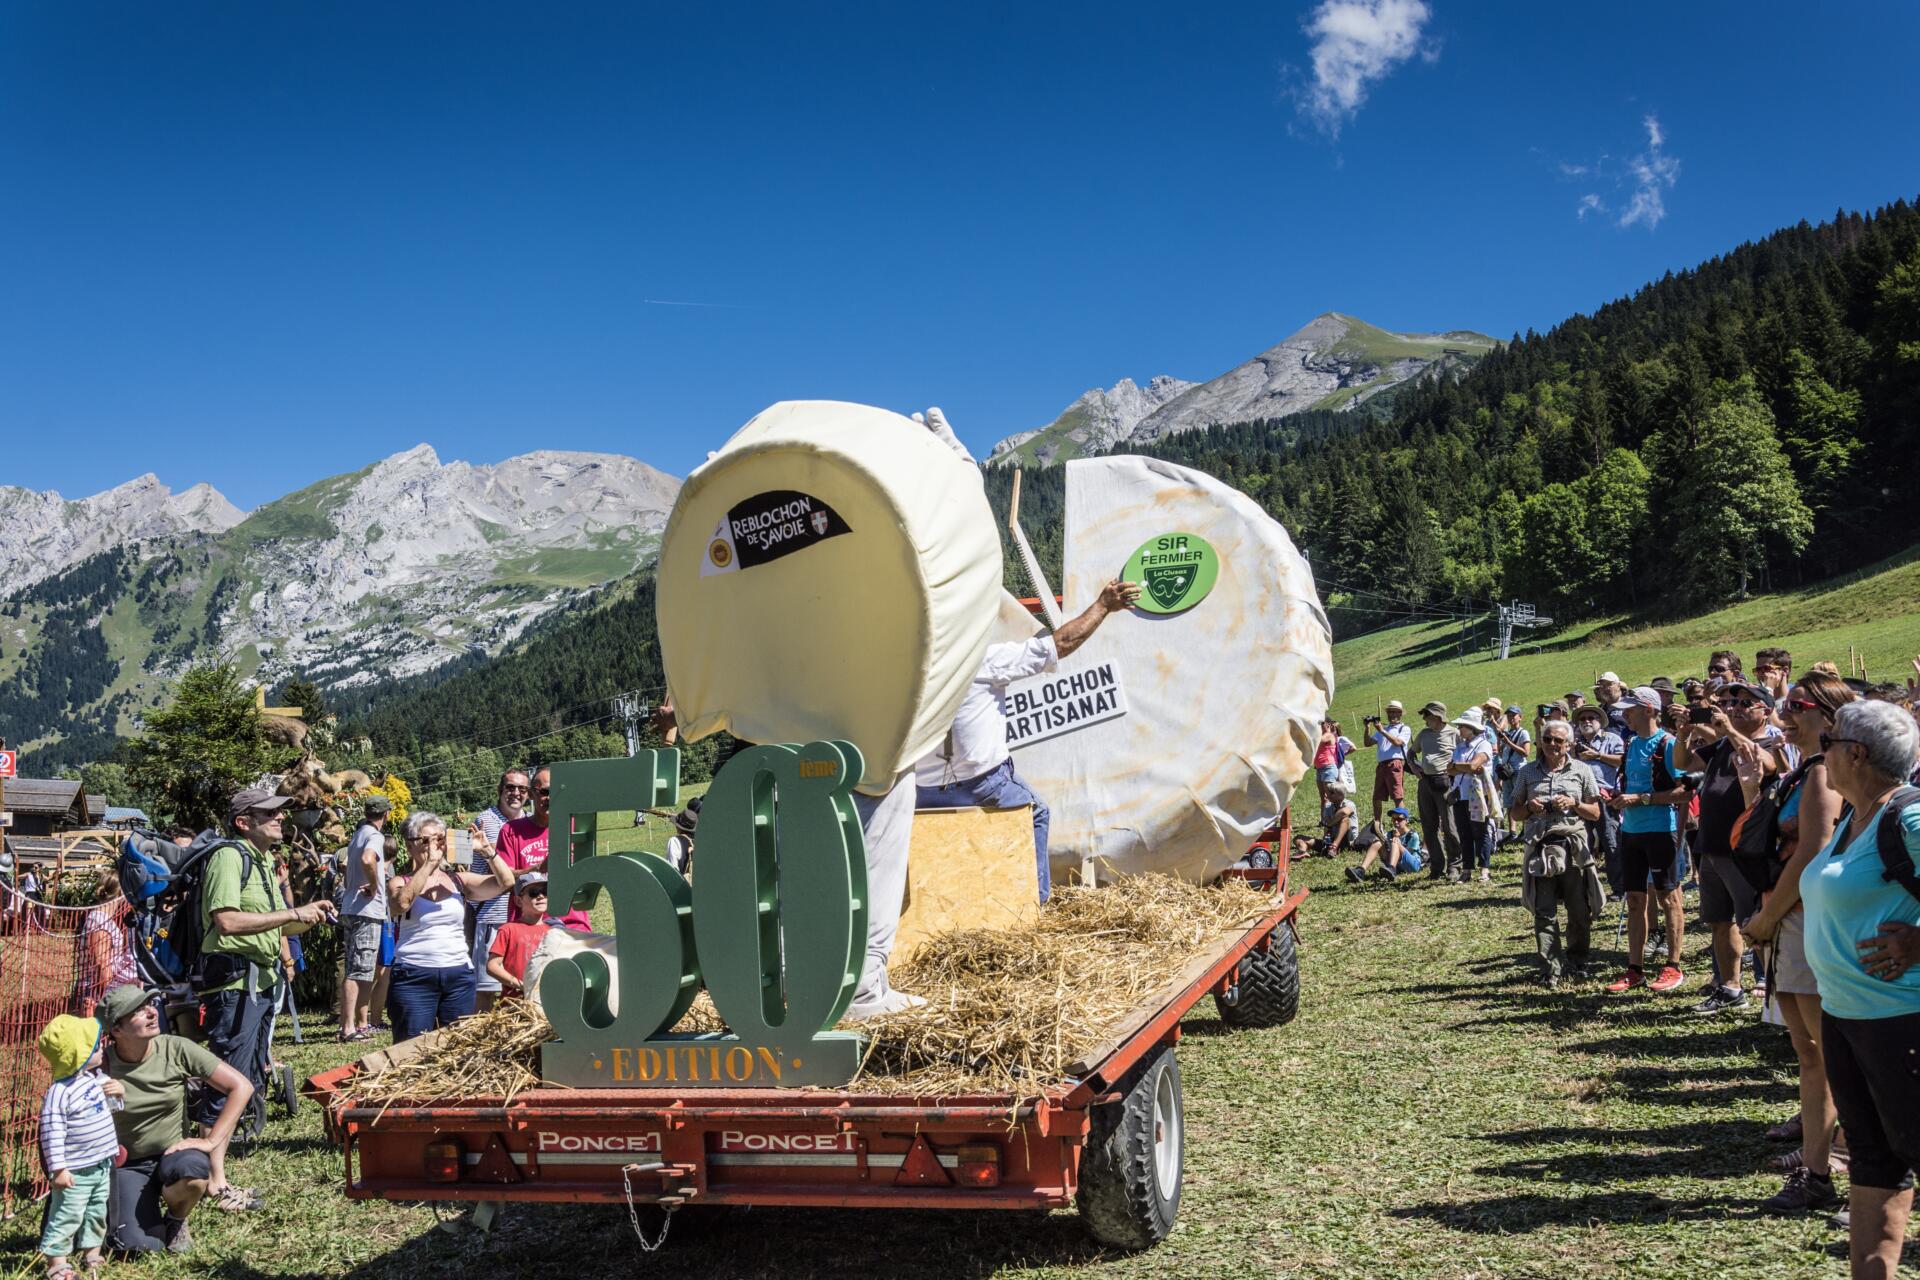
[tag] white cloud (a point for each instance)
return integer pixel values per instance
(1637, 187)
(1654, 172)
(1355, 43)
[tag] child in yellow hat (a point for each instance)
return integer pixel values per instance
(77, 1144)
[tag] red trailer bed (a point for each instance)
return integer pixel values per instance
(1109, 1136)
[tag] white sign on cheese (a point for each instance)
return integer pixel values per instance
(1046, 706)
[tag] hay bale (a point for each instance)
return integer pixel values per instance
(1008, 1010)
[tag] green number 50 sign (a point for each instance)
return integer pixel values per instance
(777, 931)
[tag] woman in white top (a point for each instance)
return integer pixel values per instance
(432, 977)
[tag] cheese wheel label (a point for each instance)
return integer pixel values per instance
(768, 526)
(1176, 570)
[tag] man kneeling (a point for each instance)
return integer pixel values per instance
(1555, 797)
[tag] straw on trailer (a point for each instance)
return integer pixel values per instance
(1008, 1010)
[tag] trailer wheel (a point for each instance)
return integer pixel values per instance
(1131, 1171)
(1268, 993)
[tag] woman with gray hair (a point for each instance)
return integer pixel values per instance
(1862, 900)
(433, 978)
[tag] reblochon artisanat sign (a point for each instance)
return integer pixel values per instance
(1175, 572)
(777, 936)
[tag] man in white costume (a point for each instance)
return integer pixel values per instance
(972, 767)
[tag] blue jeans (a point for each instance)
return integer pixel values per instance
(997, 788)
(418, 1000)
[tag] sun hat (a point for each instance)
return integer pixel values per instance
(1435, 708)
(1471, 718)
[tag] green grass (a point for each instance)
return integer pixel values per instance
(304, 513)
(1430, 1114)
(576, 567)
(1368, 342)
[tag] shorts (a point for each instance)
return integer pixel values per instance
(1792, 975)
(1327, 772)
(1873, 1068)
(361, 943)
(1725, 895)
(1389, 779)
(1646, 859)
(484, 932)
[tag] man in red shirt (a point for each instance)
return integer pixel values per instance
(523, 846)
(517, 940)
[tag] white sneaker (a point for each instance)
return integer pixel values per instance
(884, 1004)
(1486, 876)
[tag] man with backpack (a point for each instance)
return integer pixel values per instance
(1650, 788)
(243, 917)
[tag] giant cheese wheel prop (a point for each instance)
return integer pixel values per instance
(1176, 734)
(831, 573)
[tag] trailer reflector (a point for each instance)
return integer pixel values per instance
(978, 1165)
(443, 1160)
(922, 1167)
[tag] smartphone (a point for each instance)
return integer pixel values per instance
(461, 850)
(1700, 713)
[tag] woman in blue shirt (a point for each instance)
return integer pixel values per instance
(1862, 941)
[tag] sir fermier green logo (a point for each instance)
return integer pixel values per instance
(1175, 570)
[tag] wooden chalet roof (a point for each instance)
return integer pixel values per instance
(54, 796)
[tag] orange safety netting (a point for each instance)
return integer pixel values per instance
(44, 970)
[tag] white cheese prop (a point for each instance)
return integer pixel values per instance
(1223, 698)
(559, 942)
(832, 572)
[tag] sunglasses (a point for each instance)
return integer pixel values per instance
(1828, 742)
(544, 791)
(1799, 705)
(512, 788)
(537, 892)
(1739, 704)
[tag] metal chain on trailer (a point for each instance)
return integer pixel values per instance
(633, 1214)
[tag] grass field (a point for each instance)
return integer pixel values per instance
(1431, 1113)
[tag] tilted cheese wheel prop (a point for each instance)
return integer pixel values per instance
(831, 573)
(1225, 670)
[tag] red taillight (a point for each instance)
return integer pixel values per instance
(979, 1166)
(444, 1159)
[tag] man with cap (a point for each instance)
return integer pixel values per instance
(1722, 750)
(1432, 756)
(165, 1174)
(1391, 741)
(1650, 788)
(1397, 851)
(363, 914)
(1607, 690)
(243, 918)
(1471, 792)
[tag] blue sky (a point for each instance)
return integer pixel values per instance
(261, 244)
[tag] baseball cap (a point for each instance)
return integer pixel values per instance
(122, 1002)
(378, 804)
(1435, 708)
(1608, 677)
(1513, 708)
(1759, 694)
(528, 880)
(1645, 696)
(251, 798)
(1397, 812)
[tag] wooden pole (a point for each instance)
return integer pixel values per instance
(1013, 508)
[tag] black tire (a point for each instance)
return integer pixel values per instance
(1131, 1172)
(1268, 994)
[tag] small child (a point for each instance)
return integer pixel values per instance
(1398, 852)
(516, 941)
(77, 1143)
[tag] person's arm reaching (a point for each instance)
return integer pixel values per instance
(1114, 597)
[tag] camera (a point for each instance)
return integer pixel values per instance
(1369, 719)
(1700, 713)
(1544, 708)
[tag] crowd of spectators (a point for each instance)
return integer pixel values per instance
(1784, 804)
(420, 936)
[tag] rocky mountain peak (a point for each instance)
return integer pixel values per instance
(42, 533)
